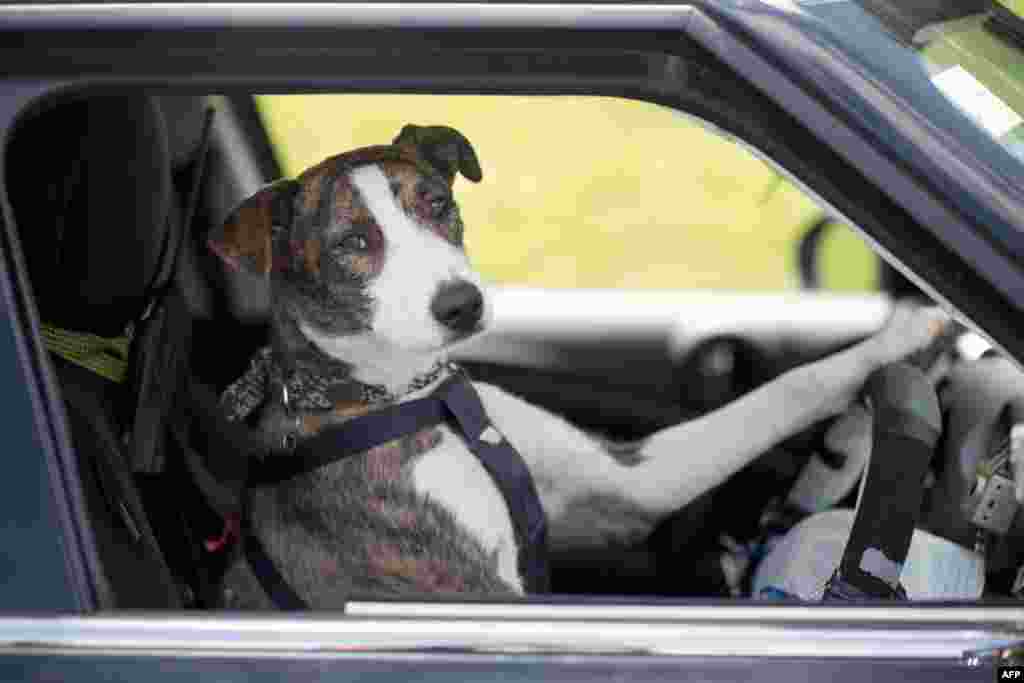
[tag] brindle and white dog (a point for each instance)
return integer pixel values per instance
(370, 289)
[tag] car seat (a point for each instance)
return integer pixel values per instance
(99, 218)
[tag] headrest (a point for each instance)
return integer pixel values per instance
(90, 185)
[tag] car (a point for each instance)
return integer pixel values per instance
(901, 123)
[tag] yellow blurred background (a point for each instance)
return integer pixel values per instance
(591, 192)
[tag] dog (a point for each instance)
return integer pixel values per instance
(371, 289)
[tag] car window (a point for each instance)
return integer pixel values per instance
(594, 192)
(975, 62)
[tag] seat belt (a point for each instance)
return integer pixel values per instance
(159, 356)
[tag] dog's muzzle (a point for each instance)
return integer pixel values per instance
(458, 305)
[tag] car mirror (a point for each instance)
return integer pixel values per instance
(831, 256)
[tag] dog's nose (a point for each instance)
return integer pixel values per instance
(458, 305)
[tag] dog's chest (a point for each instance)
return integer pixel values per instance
(452, 476)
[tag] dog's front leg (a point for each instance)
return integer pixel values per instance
(681, 462)
(593, 498)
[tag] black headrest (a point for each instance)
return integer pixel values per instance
(90, 185)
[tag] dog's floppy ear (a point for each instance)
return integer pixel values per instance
(244, 240)
(444, 148)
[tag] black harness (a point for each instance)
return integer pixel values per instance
(455, 403)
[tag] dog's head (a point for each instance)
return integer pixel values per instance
(364, 251)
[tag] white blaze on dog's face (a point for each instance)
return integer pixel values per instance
(424, 296)
(364, 254)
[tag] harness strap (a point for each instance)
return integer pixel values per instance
(455, 398)
(352, 438)
(244, 459)
(271, 580)
(512, 477)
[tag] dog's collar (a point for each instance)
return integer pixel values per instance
(308, 391)
(376, 393)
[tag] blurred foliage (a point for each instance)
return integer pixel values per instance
(590, 191)
(1015, 6)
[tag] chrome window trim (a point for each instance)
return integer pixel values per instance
(750, 612)
(789, 632)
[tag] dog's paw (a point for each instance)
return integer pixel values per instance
(910, 328)
(850, 434)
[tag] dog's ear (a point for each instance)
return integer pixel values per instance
(444, 148)
(244, 240)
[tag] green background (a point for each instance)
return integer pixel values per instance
(590, 191)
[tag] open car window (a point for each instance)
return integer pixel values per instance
(595, 193)
(636, 283)
(662, 237)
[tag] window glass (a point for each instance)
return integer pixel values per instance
(593, 192)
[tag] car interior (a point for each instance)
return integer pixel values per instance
(111, 223)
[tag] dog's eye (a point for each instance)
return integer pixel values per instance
(355, 243)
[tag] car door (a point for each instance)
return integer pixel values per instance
(626, 52)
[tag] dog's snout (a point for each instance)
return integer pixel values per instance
(458, 306)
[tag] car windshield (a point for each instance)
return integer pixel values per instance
(977, 61)
(972, 52)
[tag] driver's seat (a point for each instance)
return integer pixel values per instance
(95, 214)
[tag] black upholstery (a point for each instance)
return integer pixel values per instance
(90, 185)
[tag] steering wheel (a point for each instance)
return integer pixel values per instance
(935, 361)
(841, 555)
(898, 394)
(906, 426)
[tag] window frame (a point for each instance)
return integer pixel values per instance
(678, 56)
